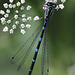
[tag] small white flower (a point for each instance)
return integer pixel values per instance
(23, 15)
(24, 20)
(14, 5)
(54, 1)
(28, 26)
(29, 18)
(48, 0)
(2, 12)
(23, 31)
(5, 29)
(16, 16)
(57, 7)
(22, 25)
(36, 18)
(11, 1)
(6, 15)
(14, 26)
(9, 21)
(51, 1)
(22, 1)
(63, 1)
(22, 7)
(5, 5)
(17, 22)
(3, 20)
(11, 31)
(10, 5)
(28, 7)
(17, 11)
(8, 11)
(18, 3)
(61, 6)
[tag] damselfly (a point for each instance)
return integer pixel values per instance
(49, 7)
(48, 13)
(42, 31)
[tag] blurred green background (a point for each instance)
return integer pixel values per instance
(61, 41)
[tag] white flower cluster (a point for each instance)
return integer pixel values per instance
(59, 6)
(14, 18)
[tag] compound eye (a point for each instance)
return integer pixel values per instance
(54, 5)
(48, 4)
(51, 4)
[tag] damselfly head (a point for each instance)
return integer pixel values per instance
(50, 4)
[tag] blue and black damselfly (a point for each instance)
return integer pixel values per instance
(49, 7)
(48, 14)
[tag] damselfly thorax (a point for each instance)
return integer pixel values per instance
(48, 7)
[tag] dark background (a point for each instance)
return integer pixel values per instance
(62, 41)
